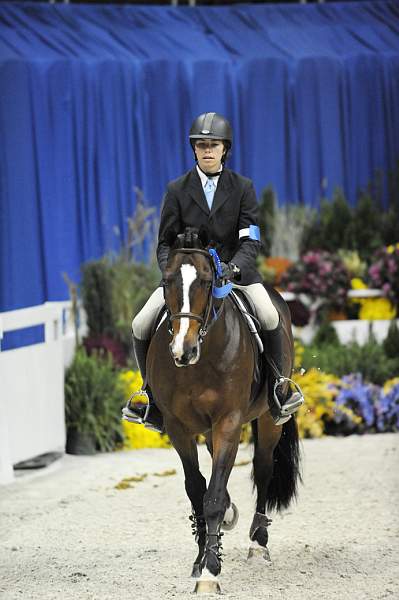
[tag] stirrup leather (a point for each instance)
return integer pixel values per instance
(293, 403)
(129, 413)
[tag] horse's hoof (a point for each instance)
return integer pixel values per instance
(257, 551)
(230, 517)
(196, 572)
(207, 586)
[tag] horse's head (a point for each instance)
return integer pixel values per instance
(188, 293)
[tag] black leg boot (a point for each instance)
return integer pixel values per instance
(282, 404)
(149, 415)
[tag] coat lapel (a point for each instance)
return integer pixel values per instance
(196, 192)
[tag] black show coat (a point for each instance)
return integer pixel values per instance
(234, 208)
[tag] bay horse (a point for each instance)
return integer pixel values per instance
(200, 368)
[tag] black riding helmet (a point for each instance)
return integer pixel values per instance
(211, 126)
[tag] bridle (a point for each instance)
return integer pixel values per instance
(202, 319)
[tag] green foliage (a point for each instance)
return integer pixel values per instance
(329, 229)
(96, 292)
(267, 206)
(113, 290)
(132, 285)
(390, 218)
(365, 229)
(93, 399)
(325, 335)
(391, 342)
(370, 360)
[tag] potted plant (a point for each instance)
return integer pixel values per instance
(93, 402)
(322, 277)
(384, 272)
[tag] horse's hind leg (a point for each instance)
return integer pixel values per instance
(266, 437)
(195, 484)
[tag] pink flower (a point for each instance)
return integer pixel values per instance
(386, 288)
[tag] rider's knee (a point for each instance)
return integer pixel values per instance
(266, 311)
(140, 328)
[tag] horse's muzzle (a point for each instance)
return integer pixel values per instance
(189, 356)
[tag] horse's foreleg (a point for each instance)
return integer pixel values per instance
(230, 517)
(195, 485)
(266, 436)
(225, 440)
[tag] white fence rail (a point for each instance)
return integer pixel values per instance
(32, 385)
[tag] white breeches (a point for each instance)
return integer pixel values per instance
(142, 322)
(265, 309)
(266, 312)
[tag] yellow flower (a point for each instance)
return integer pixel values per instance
(299, 350)
(374, 309)
(131, 383)
(391, 249)
(320, 390)
(358, 284)
(137, 436)
(388, 385)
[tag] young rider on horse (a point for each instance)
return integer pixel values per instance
(224, 202)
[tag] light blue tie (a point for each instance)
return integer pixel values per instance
(209, 190)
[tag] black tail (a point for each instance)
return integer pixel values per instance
(283, 485)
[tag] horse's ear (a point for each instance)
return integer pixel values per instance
(204, 235)
(170, 236)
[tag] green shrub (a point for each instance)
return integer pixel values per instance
(266, 218)
(132, 285)
(325, 335)
(391, 342)
(365, 229)
(370, 360)
(96, 292)
(328, 230)
(94, 399)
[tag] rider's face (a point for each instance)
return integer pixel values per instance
(209, 154)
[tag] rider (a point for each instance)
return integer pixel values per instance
(225, 202)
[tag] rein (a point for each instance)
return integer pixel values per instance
(203, 320)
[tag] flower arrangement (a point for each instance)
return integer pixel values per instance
(353, 263)
(320, 390)
(372, 308)
(387, 409)
(279, 266)
(319, 274)
(136, 436)
(377, 407)
(384, 272)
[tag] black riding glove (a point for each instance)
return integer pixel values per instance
(229, 270)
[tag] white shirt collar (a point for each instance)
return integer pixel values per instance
(204, 178)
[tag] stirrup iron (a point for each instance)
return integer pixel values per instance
(133, 417)
(293, 403)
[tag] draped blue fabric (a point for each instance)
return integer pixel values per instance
(96, 102)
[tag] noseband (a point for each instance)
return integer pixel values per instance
(203, 320)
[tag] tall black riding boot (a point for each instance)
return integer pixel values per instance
(282, 403)
(149, 415)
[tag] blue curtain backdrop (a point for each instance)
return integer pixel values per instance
(97, 100)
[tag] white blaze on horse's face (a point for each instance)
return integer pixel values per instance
(184, 356)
